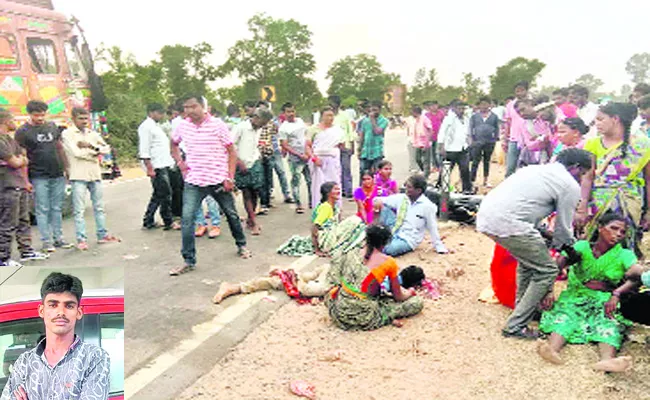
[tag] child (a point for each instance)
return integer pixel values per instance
(364, 197)
(570, 134)
(385, 185)
(14, 197)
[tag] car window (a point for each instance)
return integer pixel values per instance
(43, 56)
(17, 337)
(112, 340)
(8, 52)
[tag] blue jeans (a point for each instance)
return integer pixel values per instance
(213, 211)
(397, 245)
(78, 201)
(48, 195)
(512, 158)
(192, 197)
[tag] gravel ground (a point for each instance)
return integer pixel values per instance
(453, 349)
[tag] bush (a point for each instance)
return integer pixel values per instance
(125, 113)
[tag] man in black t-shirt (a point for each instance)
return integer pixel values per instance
(47, 164)
(14, 197)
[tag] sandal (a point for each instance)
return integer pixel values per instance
(300, 210)
(181, 270)
(523, 333)
(244, 253)
(256, 230)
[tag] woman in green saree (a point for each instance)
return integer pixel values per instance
(620, 176)
(588, 310)
(328, 233)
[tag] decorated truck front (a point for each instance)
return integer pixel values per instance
(40, 60)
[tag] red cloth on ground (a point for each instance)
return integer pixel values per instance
(504, 276)
(288, 279)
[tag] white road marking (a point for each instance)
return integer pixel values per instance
(201, 333)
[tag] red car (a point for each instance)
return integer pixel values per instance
(102, 324)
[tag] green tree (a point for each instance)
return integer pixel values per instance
(185, 70)
(278, 54)
(624, 94)
(472, 90)
(425, 86)
(361, 75)
(505, 78)
(638, 66)
(590, 82)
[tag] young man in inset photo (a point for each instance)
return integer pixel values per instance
(61, 366)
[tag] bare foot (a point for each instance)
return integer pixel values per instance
(547, 353)
(398, 323)
(225, 290)
(618, 364)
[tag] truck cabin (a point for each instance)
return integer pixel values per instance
(40, 60)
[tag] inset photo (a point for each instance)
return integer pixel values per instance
(62, 333)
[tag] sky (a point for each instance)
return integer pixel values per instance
(572, 37)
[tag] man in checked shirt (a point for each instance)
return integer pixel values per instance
(61, 366)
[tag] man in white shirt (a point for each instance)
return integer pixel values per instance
(587, 110)
(155, 152)
(640, 90)
(83, 147)
(249, 177)
(419, 216)
(453, 142)
(292, 139)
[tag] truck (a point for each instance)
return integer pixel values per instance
(45, 56)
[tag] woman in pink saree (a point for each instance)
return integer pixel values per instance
(323, 148)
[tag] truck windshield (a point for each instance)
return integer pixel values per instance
(74, 61)
(43, 56)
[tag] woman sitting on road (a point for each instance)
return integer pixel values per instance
(356, 302)
(587, 311)
(383, 179)
(364, 197)
(326, 228)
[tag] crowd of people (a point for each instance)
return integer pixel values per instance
(573, 205)
(580, 205)
(37, 160)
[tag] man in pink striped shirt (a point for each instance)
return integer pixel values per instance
(208, 169)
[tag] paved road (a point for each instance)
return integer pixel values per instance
(174, 333)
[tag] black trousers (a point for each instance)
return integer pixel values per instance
(176, 182)
(481, 151)
(161, 198)
(462, 159)
(265, 193)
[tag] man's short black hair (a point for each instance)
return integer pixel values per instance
(417, 109)
(287, 105)
(262, 103)
(153, 107)
(34, 106)
(412, 276)
(334, 99)
(573, 157)
(194, 96)
(376, 103)
(433, 102)
(644, 102)
(522, 84)
(418, 181)
(77, 111)
(510, 98)
(642, 88)
(57, 282)
(484, 99)
(249, 104)
(580, 90)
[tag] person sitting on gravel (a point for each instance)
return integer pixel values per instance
(409, 215)
(587, 311)
(326, 228)
(356, 302)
